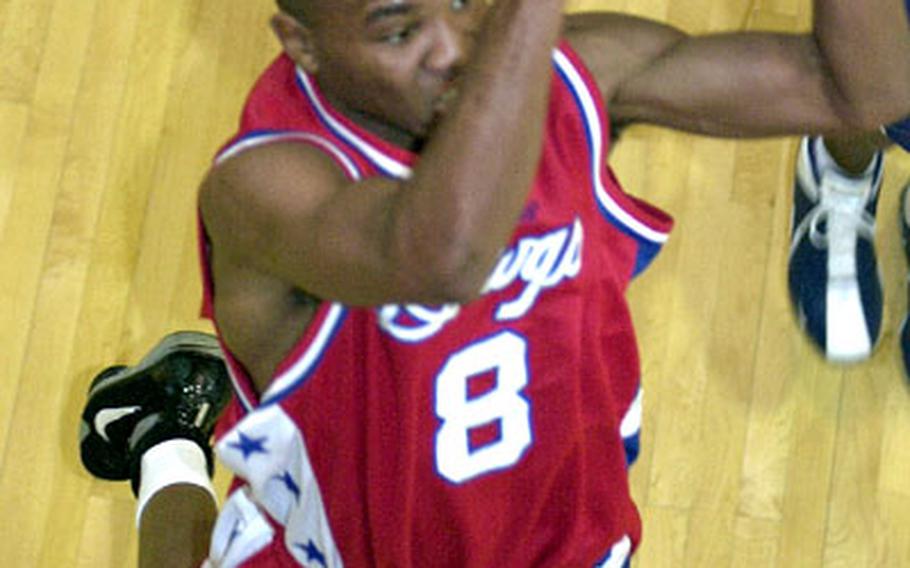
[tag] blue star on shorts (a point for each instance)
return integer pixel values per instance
(312, 552)
(249, 446)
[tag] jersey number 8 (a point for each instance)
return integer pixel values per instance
(504, 354)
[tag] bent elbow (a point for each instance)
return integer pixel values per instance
(461, 285)
(445, 263)
(868, 118)
(449, 274)
(449, 280)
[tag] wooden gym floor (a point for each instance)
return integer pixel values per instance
(756, 452)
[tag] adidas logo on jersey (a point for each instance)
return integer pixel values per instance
(541, 262)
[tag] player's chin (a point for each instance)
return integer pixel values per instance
(427, 126)
(432, 114)
(435, 115)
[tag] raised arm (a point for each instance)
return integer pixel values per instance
(851, 72)
(287, 210)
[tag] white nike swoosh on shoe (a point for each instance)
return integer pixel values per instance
(108, 416)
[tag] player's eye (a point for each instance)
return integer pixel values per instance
(400, 35)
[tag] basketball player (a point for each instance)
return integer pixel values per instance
(416, 259)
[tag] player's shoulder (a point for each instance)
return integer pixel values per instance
(261, 186)
(292, 164)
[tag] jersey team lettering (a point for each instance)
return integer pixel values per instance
(540, 261)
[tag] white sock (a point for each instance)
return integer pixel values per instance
(177, 461)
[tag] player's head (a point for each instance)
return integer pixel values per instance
(390, 65)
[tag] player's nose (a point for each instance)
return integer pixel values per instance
(451, 45)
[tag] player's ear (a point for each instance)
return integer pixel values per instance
(296, 39)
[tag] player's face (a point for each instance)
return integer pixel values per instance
(393, 65)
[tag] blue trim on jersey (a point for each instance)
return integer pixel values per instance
(632, 445)
(320, 344)
(647, 249)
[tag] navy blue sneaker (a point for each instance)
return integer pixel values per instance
(834, 281)
(177, 390)
(904, 220)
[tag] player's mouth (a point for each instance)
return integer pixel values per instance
(443, 103)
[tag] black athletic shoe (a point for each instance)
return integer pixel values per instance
(177, 390)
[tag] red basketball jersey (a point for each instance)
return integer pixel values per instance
(496, 433)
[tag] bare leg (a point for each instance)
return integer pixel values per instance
(854, 152)
(176, 526)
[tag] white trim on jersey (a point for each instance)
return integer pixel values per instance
(619, 554)
(595, 145)
(239, 388)
(298, 372)
(259, 138)
(631, 421)
(382, 161)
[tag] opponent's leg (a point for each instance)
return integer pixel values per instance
(852, 154)
(833, 273)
